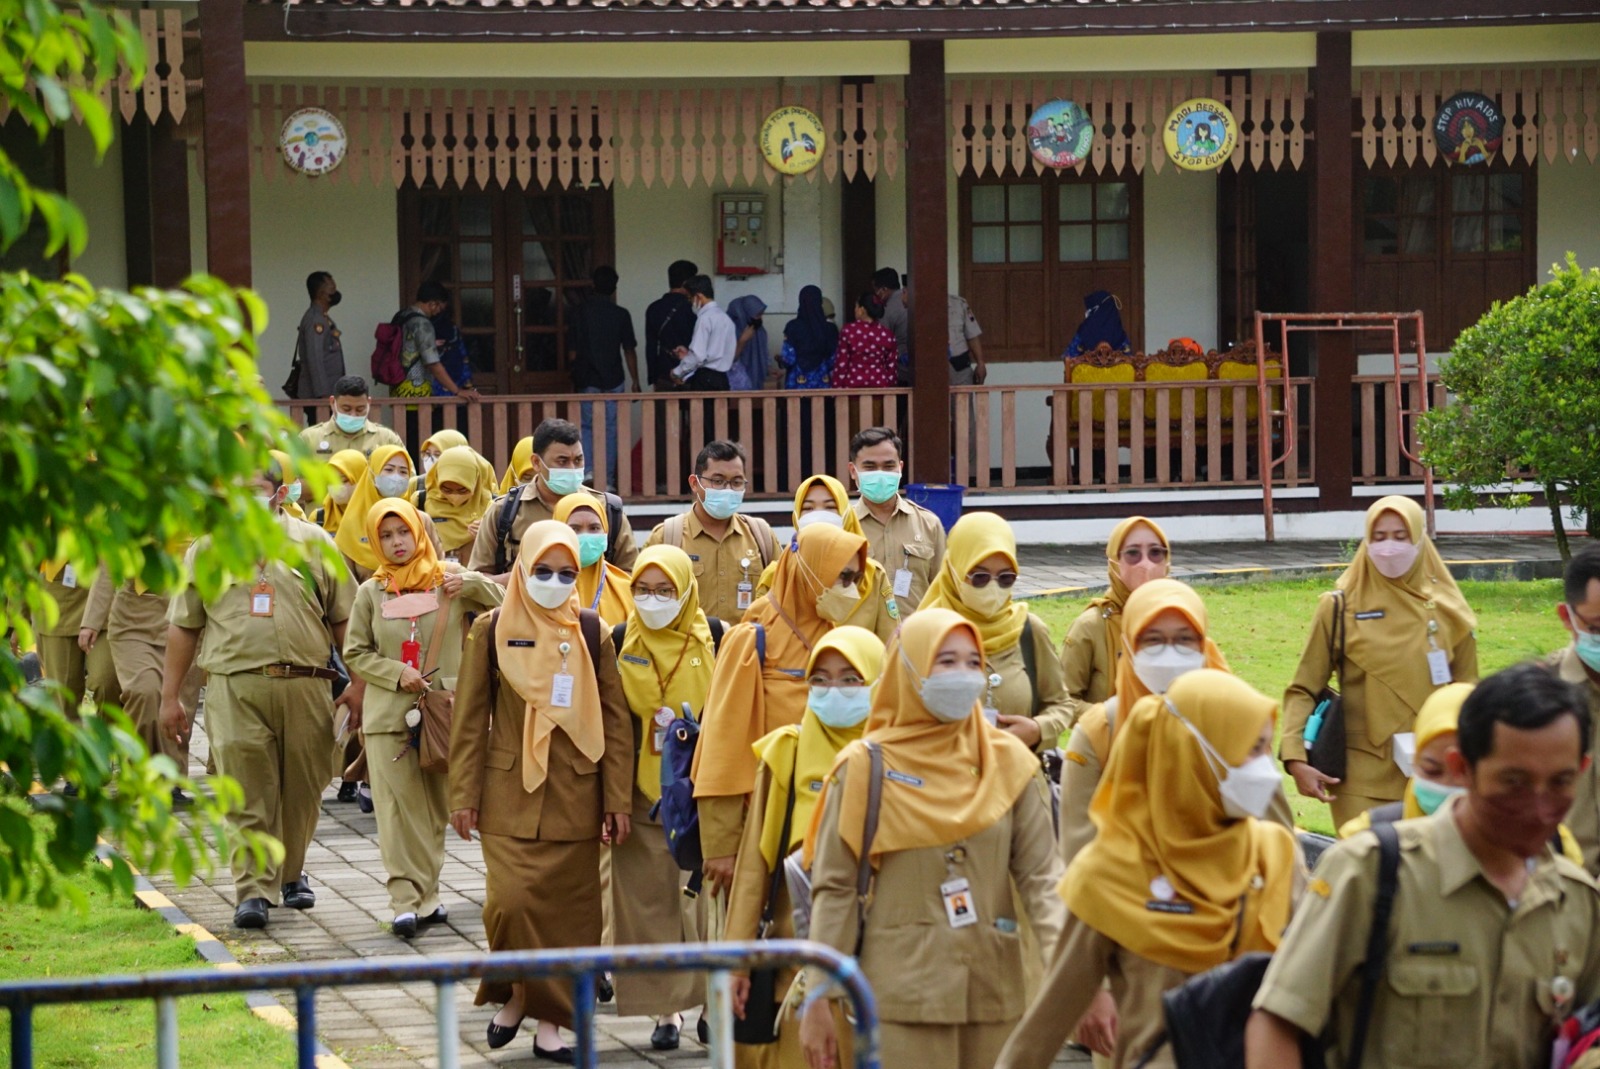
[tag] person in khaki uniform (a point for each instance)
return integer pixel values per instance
(269, 702)
(1184, 874)
(963, 836)
(67, 654)
(976, 579)
(557, 459)
(350, 426)
(541, 765)
(1494, 939)
(1136, 553)
(729, 550)
(400, 603)
(1408, 630)
(906, 539)
(1579, 664)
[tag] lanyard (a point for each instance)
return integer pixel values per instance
(664, 681)
(600, 590)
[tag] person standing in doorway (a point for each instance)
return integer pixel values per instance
(705, 362)
(318, 350)
(600, 335)
(668, 326)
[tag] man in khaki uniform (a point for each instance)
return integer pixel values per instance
(349, 428)
(1495, 938)
(906, 539)
(557, 471)
(1579, 664)
(66, 653)
(269, 701)
(729, 550)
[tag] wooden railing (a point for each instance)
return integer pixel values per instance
(1380, 459)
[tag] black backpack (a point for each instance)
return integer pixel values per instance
(508, 516)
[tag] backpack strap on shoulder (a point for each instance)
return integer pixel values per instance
(613, 522)
(761, 531)
(618, 634)
(589, 624)
(1030, 661)
(503, 521)
(717, 627)
(761, 645)
(1377, 937)
(672, 531)
(868, 833)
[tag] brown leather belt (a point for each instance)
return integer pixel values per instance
(295, 671)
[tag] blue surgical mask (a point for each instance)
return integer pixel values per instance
(563, 481)
(1430, 795)
(351, 424)
(294, 493)
(840, 707)
(878, 487)
(722, 504)
(591, 547)
(1588, 647)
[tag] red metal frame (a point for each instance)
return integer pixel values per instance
(1346, 323)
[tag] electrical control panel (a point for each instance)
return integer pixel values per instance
(742, 243)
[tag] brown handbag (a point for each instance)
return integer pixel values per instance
(436, 704)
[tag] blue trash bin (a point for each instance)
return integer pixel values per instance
(941, 499)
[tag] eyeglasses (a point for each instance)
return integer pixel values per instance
(847, 683)
(1005, 580)
(658, 592)
(567, 576)
(1153, 554)
(717, 482)
(1157, 643)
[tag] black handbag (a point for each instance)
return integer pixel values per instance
(1327, 753)
(760, 1021)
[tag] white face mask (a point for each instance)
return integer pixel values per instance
(1158, 668)
(1405, 752)
(549, 593)
(1248, 789)
(832, 519)
(428, 461)
(657, 611)
(391, 485)
(1392, 559)
(951, 696)
(840, 707)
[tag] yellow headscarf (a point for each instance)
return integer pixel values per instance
(851, 523)
(750, 697)
(1163, 835)
(602, 586)
(1386, 647)
(521, 464)
(349, 463)
(976, 537)
(531, 669)
(458, 464)
(444, 440)
(952, 780)
(669, 667)
(424, 571)
(805, 754)
(1438, 716)
(1117, 595)
(352, 533)
(286, 471)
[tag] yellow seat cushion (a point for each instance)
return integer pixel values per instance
(1195, 372)
(1087, 374)
(1238, 371)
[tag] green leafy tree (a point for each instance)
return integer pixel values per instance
(129, 424)
(1526, 380)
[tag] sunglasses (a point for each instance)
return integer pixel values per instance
(1154, 554)
(1005, 580)
(543, 573)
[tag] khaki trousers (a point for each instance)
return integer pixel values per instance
(648, 905)
(140, 666)
(412, 808)
(944, 1046)
(62, 661)
(272, 736)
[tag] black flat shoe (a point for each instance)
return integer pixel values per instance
(364, 798)
(561, 1055)
(603, 989)
(347, 792)
(297, 894)
(252, 913)
(438, 916)
(405, 926)
(665, 1037)
(500, 1035)
(702, 1030)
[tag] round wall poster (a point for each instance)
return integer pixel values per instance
(313, 141)
(792, 140)
(1468, 128)
(1060, 134)
(1200, 134)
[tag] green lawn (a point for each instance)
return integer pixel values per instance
(119, 937)
(1262, 627)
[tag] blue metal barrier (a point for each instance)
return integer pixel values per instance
(582, 965)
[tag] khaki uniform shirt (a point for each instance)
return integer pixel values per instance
(1470, 979)
(532, 508)
(308, 602)
(71, 601)
(326, 439)
(913, 539)
(1016, 697)
(372, 647)
(718, 563)
(963, 325)
(127, 613)
(1089, 678)
(1583, 820)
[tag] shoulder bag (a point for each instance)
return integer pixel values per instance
(436, 704)
(1324, 732)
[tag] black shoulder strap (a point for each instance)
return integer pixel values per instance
(761, 645)
(619, 633)
(589, 624)
(494, 660)
(1030, 660)
(770, 907)
(716, 625)
(422, 499)
(1377, 937)
(502, 527)
(868, 833)
(613, 522)
(1338, 637)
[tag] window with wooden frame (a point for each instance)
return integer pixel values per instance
(1033, 247)
(1447, 240)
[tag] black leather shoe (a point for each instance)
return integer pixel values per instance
(297, 894)
(405, 926)
(364, 798)
(665, 1037)
(252, 913)
(500, 1035)
(438, 916)
(347, 792)
(181, 799)
(561, 1055)
(702, 1030)
(603, 989)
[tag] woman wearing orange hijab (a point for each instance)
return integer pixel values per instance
(963, 817)
(1184, 874)
(541, 766)
(400, 604)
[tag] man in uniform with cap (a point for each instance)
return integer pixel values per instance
(269, 699)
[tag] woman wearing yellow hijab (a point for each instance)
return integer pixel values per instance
(822, 499)
(541, 760)
(387, 474)
(1184, 874)
(520, 470)
(665, 658)
(1408, 630)
(963, 819)
(602, 586)
(976, 579)
(349, 464)
(1136, 553)
(410, 804)
(291, 500)
(459, 488)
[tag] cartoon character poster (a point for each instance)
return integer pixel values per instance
(792, 140)
(1060, 134)
(1468, 129)
(1200, 134)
